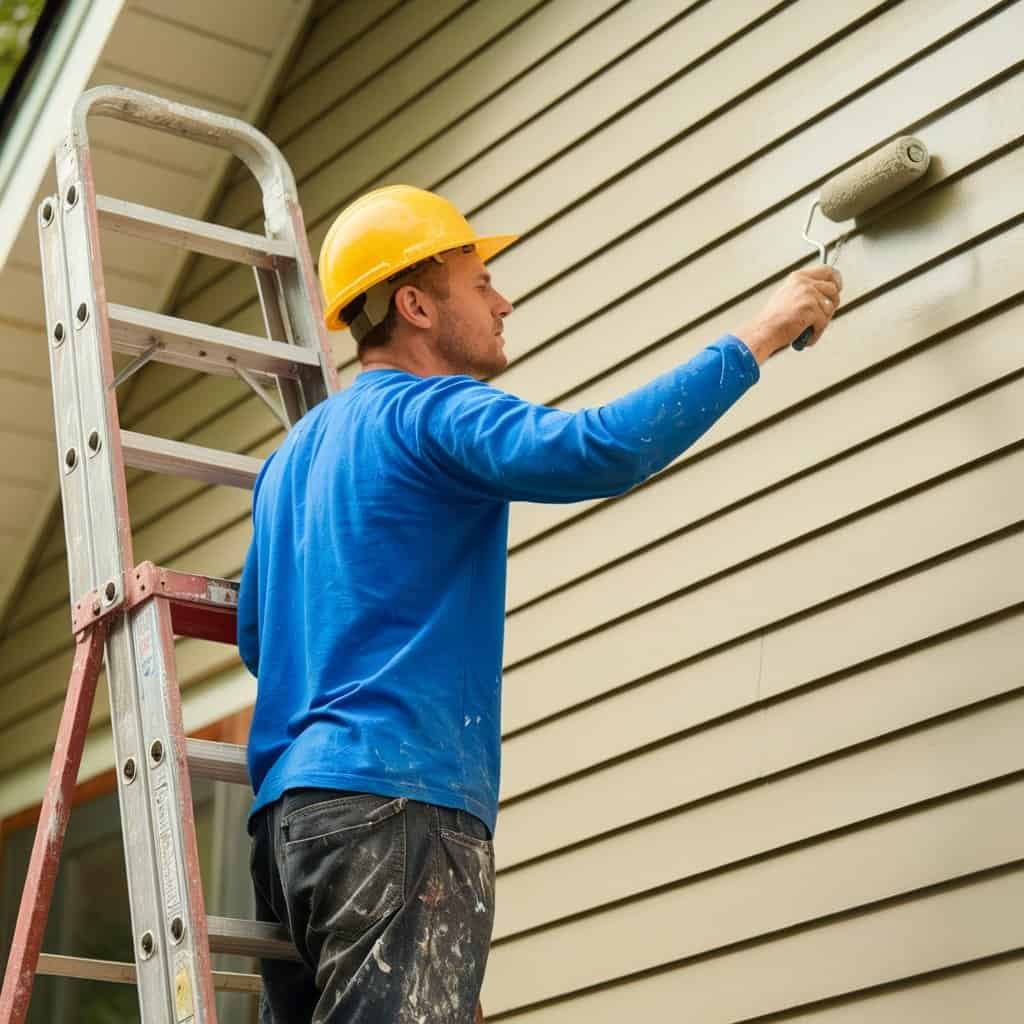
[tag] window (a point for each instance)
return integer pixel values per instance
(90, 914)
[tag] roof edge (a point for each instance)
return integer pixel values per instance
(61, 70)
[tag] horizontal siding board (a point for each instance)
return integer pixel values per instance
(20, 502)
(792, 582)
(992, 992)
(637, 239)
(617, 591)
(515, 570)
(23, 352)
(51, 633)
(890, 325)
(931, 680)
(805, 501)
(947, 215)
(198, 510)
(425, 57)
(410, 123)
(208, 702)
(967, 370)
(403, 36)
(334, 29)
(588, 56)
(647, 111)
(37, 459)
(879, 622)
(519, 47)
(940, 929)
(21, 405)
(686, 40)
(940, 843)
(727, 828)
(728, 753)
(938, 223)
(31, 737)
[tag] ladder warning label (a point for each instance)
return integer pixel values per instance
(165, 842)
(184, 1007)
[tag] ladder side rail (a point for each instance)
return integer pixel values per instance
(96, 521)
(64, 353)
(182, 942)
(300, 292)
(37, 894)
(103, 464)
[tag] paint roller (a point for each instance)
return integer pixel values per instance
(863, 186)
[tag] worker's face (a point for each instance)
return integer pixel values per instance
(472, 319)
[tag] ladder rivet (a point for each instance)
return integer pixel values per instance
(129, 770)
(81, 314)
(96, 606)
(94, 441)
(46, 214)
(110, 590)
(147, 945)
(71, 196)
(70, 460)
(177, 929)
(58, 333)
(156, 752)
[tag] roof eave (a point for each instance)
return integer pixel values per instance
(63, 67)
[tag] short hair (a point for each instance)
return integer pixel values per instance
(431, 275)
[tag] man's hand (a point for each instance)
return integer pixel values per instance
(809, 298)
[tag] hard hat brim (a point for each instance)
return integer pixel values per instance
(487, 248)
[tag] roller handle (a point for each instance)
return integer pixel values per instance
(805, 337)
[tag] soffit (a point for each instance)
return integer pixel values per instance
(222, 56)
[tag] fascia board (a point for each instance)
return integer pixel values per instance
(43, 114)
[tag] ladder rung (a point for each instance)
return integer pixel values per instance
(195, 235)
(222, 761)
(160, 455)
(250, 938)
(202, 347)
(124, 973)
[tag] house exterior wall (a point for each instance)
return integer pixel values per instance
(762, 715)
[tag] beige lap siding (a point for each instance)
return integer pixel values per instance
(762, 714)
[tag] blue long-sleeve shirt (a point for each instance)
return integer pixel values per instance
(373, 594)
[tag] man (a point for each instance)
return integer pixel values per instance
(372, 604)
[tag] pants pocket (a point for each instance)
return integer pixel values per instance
(344, 859)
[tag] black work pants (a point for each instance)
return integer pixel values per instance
(389, 902)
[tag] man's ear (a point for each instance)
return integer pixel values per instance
(415, 306)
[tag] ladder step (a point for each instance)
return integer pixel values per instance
(202, 347)
(222, 761)
(124, 973)
(160, 455)
(186, 233)
(250, 938)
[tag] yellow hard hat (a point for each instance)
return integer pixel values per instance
(387, 231)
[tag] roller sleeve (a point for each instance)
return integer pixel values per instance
(874, 179)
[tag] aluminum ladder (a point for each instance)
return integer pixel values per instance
(131, 613)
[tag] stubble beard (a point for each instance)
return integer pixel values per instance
(455, 343)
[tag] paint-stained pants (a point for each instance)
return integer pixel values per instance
(390, 904)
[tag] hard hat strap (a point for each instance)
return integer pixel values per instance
(378, 298)
(375, 308)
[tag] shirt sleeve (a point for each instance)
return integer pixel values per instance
(248, 612)
(493, 445)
